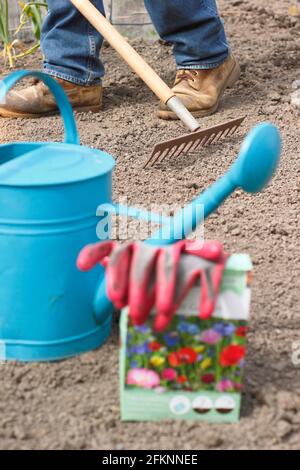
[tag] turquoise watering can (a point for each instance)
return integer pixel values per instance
(49, 194)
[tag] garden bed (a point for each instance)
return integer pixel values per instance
(75, 403)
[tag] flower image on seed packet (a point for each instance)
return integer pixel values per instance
(194, 369)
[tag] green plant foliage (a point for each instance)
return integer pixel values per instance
(4, 32)
(32, 13)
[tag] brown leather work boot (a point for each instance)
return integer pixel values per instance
(202, 90)
(38, 101)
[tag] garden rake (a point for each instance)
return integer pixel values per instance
(174, 147)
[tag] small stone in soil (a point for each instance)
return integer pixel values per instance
(295, 99)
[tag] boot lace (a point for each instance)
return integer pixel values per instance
(186, 75)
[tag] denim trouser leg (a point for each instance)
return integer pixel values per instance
(195, 29)
(70, 45)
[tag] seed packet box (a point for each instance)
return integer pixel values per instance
(194, 369)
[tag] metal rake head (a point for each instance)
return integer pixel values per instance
(191, 142)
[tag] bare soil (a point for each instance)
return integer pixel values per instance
(74, 404)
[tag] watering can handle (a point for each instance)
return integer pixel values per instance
(71, 133)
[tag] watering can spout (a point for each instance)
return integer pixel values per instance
(253, 169)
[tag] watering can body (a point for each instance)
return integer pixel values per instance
(49, 195)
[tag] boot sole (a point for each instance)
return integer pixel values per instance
(6, 113)
(230, 82)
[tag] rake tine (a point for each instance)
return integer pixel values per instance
(172, 151)
(226, 132)
(191, 146)
(163, 155)
(188, 147)
(194, 144)
(154, 155)
(223, 133)
(199, 143)
(217, 137)
(210, 139)
(233, 130)
(179, 151)
(203, 142)
(185, 148)
(167, 153)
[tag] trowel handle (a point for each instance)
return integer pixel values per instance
(71, 134)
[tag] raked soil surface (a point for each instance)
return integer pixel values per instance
(74, 404)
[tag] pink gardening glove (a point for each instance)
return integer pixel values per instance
(143, 276)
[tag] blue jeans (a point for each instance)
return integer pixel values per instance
(71, 46)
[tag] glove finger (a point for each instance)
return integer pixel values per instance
(142, 282)
(118, 274)
(213, 278)
(162, 321)
(187, 272)
(94, 254)
(206, 298)
(167, 267)
(212, 250)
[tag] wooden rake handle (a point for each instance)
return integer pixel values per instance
(116, 40)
